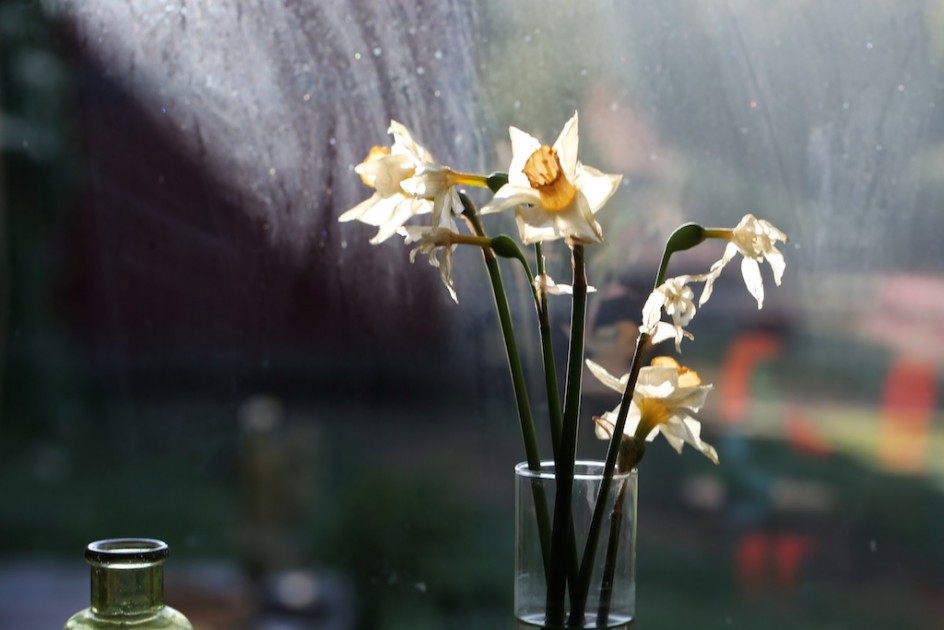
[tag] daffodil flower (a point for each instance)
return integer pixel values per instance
(678, 300)
(665, 398)
(756, 240)
(385, 169)
(408, 182)
(555, 196)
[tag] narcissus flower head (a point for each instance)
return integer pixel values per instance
(666, 397)
(756, 240)
(554, 195)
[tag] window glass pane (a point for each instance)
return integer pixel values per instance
(195, 349)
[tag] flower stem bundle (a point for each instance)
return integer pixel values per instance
(555, 197)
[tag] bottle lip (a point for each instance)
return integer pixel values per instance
(113, 550)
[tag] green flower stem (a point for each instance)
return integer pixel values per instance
(612, 548)
(721, 233)
(684, 237)
(508, 248)
(596, 521)
(517, 377)
(469, 179)
(564, 462)
(550, 369)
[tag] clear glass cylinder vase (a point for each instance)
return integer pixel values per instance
(127, 587)
(611, 597)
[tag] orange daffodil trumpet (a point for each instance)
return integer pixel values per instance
(554, 195)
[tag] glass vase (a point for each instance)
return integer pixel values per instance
(127, 588)
(611, 598)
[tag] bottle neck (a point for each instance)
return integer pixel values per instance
(127, 578)
(127, 590)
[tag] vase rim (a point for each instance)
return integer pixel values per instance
(126, 550)
(583, 469)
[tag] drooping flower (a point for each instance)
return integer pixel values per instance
(664, 401)
(756, 240)
(555, 196)
(678, 300)
(409, 182)
(438, 244)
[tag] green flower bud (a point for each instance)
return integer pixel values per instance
(685, 237)
(506, 247)
(496, 180)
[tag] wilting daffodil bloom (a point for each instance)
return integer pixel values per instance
(756, 239)
(555, 196)
(664, 400)
(385, 169)
(677, 298)
(408, 182)
(438, 244)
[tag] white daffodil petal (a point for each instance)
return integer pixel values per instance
(730, 251)
(509, 196)
(664, 331)
(403, 140)
(652, 312)
(566, 147)
(402, 213)
(367, 210)
(755, 284)
(657, 378)
(777, 264)
(693, 397)
(530, 234)
(523, 145)
(596, 186)
(616, 384)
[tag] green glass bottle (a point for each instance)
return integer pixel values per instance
(127, 588)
